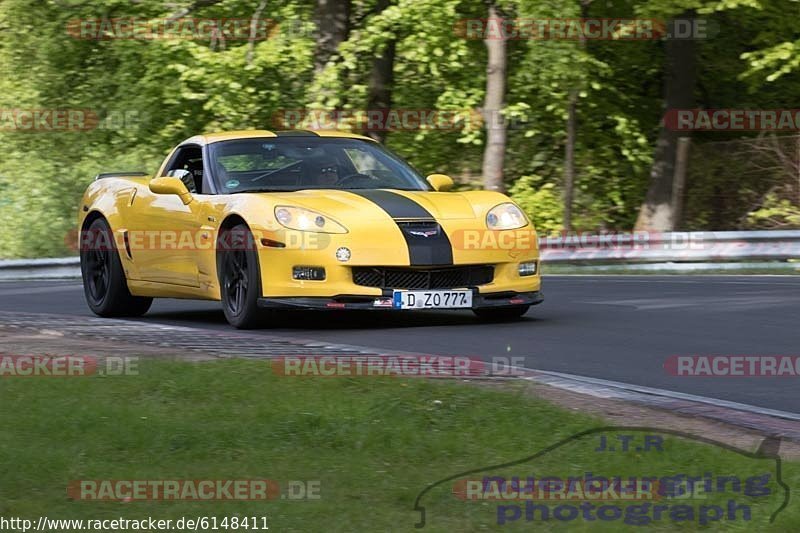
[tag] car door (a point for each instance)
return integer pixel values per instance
(169, 234)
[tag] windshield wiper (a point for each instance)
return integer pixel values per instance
(273, 171)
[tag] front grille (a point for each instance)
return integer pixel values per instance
(411, 278)
(419, 226)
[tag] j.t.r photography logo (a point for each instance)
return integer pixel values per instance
(626, 475)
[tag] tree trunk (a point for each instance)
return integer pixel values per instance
(569, 159)
(332, 18)
(679, 180)
(656, 214)
(572, 134)
(494, 153)
(381, 77)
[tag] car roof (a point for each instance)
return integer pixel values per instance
(210, 138)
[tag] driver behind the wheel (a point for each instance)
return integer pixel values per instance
(324, 173)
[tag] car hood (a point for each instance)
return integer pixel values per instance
(363, 205)
(393, 227)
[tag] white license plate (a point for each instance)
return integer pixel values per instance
(432, 299)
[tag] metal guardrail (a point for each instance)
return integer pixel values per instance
(684, 247)
(52, 268)
(702, 250)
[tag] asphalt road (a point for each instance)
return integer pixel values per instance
(620, 328)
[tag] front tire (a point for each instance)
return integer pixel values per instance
(240, 279)
(501, 313)
(104, 283)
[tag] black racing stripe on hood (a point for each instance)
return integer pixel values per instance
(397, 205)
(434, 249)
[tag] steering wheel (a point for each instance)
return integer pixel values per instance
(356, 176)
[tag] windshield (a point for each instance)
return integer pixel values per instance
(292, 164)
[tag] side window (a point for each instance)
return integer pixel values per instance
(190, 159)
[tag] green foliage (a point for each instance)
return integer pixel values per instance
(541, 202)
(151, 94)
(775, 213)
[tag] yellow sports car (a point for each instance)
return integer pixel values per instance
(301, 220)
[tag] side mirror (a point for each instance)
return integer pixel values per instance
(440, 182)
(170, 185)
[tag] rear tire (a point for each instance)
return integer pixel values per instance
(501, 313)
(104, 282)
(240, 279)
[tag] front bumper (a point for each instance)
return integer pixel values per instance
(381, 250)
(378, 303)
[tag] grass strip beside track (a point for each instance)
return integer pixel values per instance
(373, 444)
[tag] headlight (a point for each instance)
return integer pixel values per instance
(301, 219)
(505, 216)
